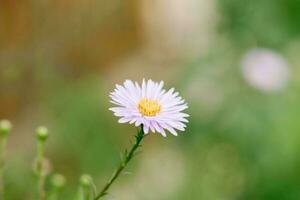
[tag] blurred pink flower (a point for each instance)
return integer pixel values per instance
(150, 105)
(265, 70)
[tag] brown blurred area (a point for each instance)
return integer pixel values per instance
(69, 38)
(44, 42)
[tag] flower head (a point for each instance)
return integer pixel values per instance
(149, 105)
(5, 127)
(42, 133)
(58, 181)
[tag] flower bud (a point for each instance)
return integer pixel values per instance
(5, 127)
(58, 181)
(85, 180)
(42, 133)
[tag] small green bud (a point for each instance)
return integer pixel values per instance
(58, 180)
(85, 180)
(42, 133)
(5, 127)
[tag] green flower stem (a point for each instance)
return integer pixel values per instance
(128, 156)
(40, 170)
(2, 164)
(5, 127)
(86, 194)
(85, 187)
(42, 135)
(53, 196)
(58, 181)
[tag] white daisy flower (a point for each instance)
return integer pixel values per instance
(149, 105)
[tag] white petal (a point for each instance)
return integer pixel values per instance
(152, 127)
(138, 122)
(146, 128)
(144, 89)
(159, 129)
(131, 90)
(170, 129)
(124, 120)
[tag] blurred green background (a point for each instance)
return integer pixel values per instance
(59, 59)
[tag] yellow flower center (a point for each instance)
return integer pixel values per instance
(148, 107)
